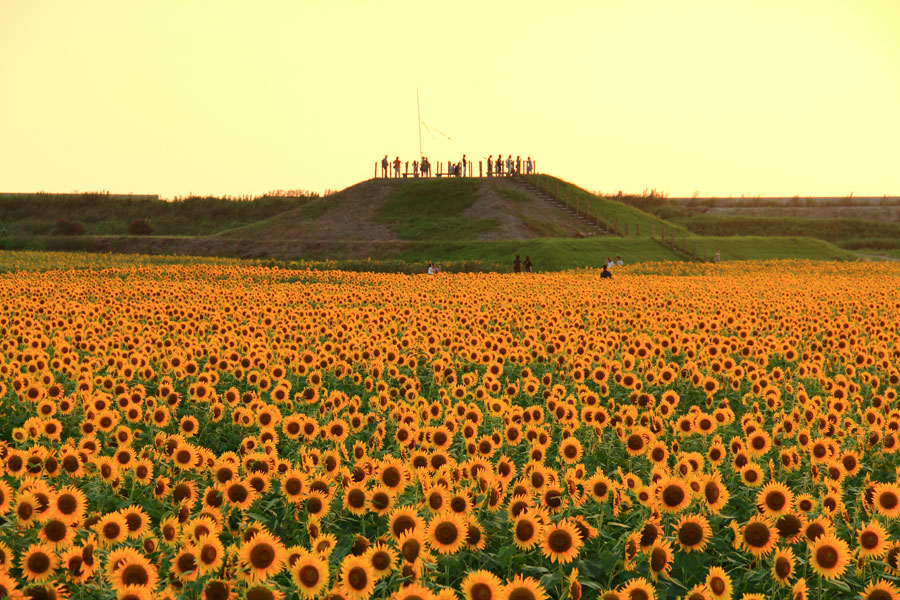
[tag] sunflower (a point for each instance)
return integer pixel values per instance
(317, 505)
(881, 590)
(446, 532)
(783, 562)
(719, 583)
(38, 562)
(415, 591)
(184, 565)
(639, 589)
(354, 500)
(758, 536)
(752, 475)
(775, 499)
(26, 508)
(263, 555)
(293, 486)
(527, 530)
(216, 589)
(393, 474)
(70, 504)
(570, 450)
(383, 559)
(240, 494)
(411, 545)
(561, 542)
(262, 591)
(381, 500)
(356, 577)
(523, 588)
(57, 532)
(872, 540)
(829, 556)
(650, 532)
(660, 559)
(692, 532)
(6, 497)
(673, 494)
(817, 527)
(8, 586)
(126, 567)
(403, 519)
(210, 553)
(310, 573)
(790, 527)
(886, 499)
(111, 529)
(481, 585)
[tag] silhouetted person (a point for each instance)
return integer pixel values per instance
(397, 167)
(490, 164)
(464, 165)
(529, 165)
(517, 265)
(605, 273)
(526, 266)
(384, 166)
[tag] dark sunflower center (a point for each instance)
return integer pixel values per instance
(658, 559)
(357, 578)
(262, 555)
(690, 534)
(135, 575)
(775, 500)
(446, 533)
(673, 495)
(521, 593)
(888, 500)
(308, 575)
(38, 562)
(757, 535)
(827, 557)
(55, 530)
(524, 531)
(391, 476)
(560, 541)
(481, 591)
(782, 567)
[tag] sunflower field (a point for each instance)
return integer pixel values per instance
(228, 431)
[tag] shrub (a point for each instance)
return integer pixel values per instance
(140, 227)
(68, 227)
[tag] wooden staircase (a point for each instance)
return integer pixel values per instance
(591, 226)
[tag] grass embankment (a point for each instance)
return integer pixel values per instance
(433, 209)
(620, 217)
(100, 214)
(847, 233)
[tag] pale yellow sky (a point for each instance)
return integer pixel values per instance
(772, 97)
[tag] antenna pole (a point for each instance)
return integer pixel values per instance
(419, 115)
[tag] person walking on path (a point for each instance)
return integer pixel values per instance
(517, 265)
(397, 167)
(384, 166)
(526, 266)
(529, 166)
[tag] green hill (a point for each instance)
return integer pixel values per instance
(465, 221)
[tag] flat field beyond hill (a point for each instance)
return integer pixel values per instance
(215, 428)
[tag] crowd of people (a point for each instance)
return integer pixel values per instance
(462, 168)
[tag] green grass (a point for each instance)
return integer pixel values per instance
(432, 210)
(618, 215)
(766, 248)
(847, 233)
(104, 215)
(547, 254)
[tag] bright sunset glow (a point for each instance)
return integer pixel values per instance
(234, 97)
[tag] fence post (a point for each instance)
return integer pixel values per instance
(479, 169)
(376, 169)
